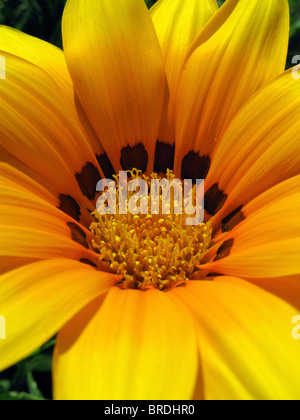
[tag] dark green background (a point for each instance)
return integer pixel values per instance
(31, 379)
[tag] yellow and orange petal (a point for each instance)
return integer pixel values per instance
(224, 70)
(134, 345)
(124, 89)
(39, 298)
(263, 239)
(221, 339)
(177, 23)
(245, 342)
(261, 146)
(32, 228)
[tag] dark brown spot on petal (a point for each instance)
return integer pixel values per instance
(214, 200)
(164, 157)
(233, 219)
(214, 275)
(87, 180)
(195, 166)
(105, 165)
(134, 157)
(224, 250)
(88, 262)
(69, 206)
(78, 235)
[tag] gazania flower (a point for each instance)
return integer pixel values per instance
(188, 88)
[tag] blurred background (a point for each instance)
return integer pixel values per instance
(31, 379)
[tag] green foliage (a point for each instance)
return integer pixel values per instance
(31, 379)
(41, 18)
(294, 47)
(150, 2)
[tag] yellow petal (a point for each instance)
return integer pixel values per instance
(116, 64)
(177, 23)
(51, 60)
(271, 217)
(18, 179)
(10, 263)
(17, 176)
(38, 52)
(38, 299)
(286, 288)
(272, 200)
(258, 240)
(224, 70)
(275, 259)
(137, 345)
(41, 129)
(32, 228)
(261, 147)
(245, 340)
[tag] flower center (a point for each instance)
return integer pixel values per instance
(157, 250)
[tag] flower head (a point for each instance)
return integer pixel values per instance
(146, 306)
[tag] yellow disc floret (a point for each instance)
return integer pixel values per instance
(150, 250)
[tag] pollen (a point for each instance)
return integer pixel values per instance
(150, 250)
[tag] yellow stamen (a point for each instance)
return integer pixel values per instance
(154, 250)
